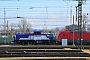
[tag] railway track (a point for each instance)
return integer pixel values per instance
(41, 51)
(44, 46)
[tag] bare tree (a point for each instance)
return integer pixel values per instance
(12, 28)
(24, 26)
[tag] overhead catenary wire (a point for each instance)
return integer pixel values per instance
(12, 8)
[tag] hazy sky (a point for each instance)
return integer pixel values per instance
(45, 13)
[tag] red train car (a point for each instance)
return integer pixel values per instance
(69, 36)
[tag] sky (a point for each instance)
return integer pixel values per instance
(41, 13)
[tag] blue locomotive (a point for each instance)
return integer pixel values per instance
(36, 38)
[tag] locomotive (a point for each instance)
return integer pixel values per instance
(67, 34)
(35, 38)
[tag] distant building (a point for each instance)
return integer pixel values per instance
(70, 27)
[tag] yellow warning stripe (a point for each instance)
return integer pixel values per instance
(86, 51)
(67, 49)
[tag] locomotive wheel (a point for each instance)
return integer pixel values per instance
(45, 42)
(32, 42)
(23, 42)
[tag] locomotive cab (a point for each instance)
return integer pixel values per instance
(74, 37)
(63, 35)
(37, 31)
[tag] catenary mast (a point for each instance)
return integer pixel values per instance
(80, 2)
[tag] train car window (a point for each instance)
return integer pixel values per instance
(37, 32)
